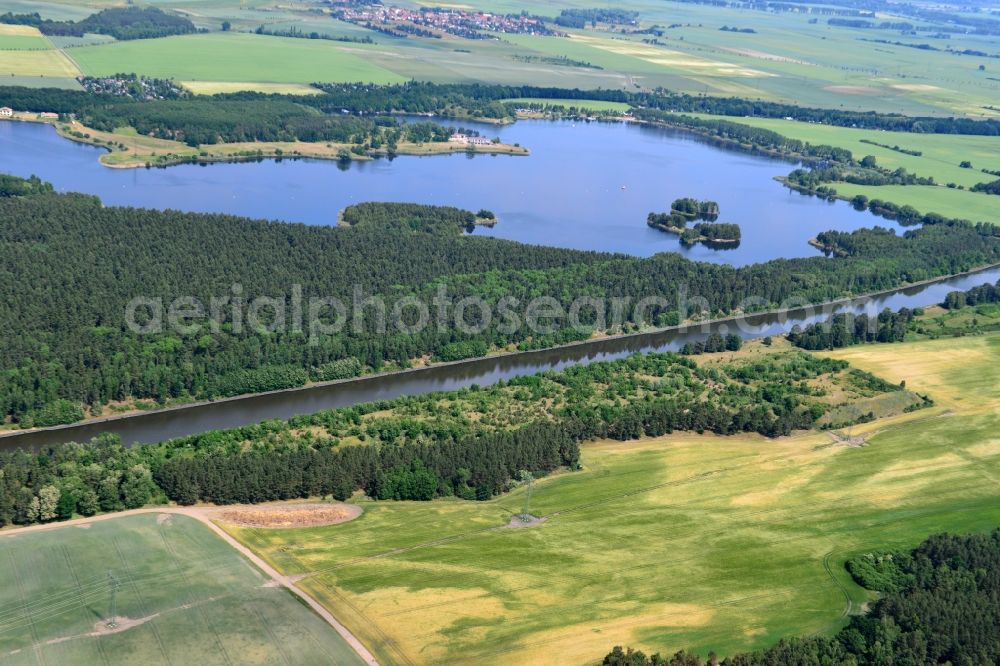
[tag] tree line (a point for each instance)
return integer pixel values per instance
(940, 604)
(488, 101)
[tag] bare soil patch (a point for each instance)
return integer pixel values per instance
(843, 440)
(280, 516)
(517, 522)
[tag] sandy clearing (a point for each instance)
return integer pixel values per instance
(853, 90)
(283, 516)
(915, 87)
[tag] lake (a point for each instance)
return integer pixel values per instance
(586, 186)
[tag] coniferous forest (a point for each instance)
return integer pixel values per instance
(72, 267)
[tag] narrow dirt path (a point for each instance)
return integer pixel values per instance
(202, 515)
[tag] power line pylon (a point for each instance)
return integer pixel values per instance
(115, 585)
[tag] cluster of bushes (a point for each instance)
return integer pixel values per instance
(867, 174)
(847, 329)
(581, 18)
(987, 293)
(905, 151)
(992, 187)
(940, 604)
(713, 344)
(122, 23)
(692, 209)
(719, 232)
(12, 186)
(682, 211)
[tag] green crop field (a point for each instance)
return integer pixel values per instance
(941, 155)
(685, 541)
(221, 57)
(940, 158)
(23, 43)
(186, 597)
(975, 206)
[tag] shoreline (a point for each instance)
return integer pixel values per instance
(177, 153)
(14, 434)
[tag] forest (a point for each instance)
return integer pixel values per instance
(122, 23)
(73, 343)
(939, 604)
(200, 120)
(470, 443)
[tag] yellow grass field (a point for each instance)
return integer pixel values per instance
(19, 30)
(680, 542)
(958, 373)
(216, 87)
(37, 63)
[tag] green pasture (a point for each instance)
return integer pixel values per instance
(940, 158)
(975, 206)
(186, 597)
(23, 43)
(233, 57)
(686, 541)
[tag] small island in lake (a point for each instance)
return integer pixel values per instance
(685, 210)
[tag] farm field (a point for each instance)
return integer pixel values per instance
(16, 37)
(216, 87)
(941, 156)
(807, 63)
(975, 206)
(41, 63)
(229, 57)
(186, 597)
(941, 153)
(786, 57)
(685, 541)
